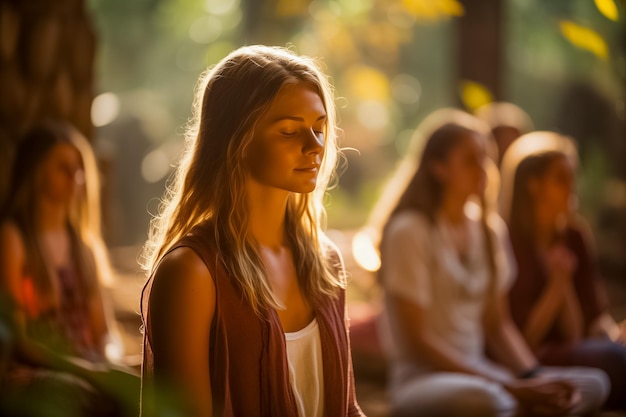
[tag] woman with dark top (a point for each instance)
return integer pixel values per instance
(244, 310)
(446, 268)
(52, 263)
(558, 299)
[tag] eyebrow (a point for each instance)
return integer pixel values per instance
(296, 118)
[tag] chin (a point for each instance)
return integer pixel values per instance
(304, 188)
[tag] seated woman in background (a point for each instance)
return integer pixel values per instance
(52, 261)
(446, 271)
(558, 299)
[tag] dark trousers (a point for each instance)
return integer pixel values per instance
(596, 353)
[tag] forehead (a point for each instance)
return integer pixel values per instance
(472, 142)
(297, 99)
(560, 163)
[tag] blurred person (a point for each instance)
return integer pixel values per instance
(446, 268)
(244, 310)
(507, 122)
(52, 264)
(558, 299)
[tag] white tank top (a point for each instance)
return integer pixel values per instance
(304, 355)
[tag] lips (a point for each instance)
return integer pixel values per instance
(310, 168)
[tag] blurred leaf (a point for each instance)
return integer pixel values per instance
(584, 38)
(475, 95)
(367, 83)
(292, 8)
(433, 9)
(608, 8)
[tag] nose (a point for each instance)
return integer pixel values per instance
(313, 143)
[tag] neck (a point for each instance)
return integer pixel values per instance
(51, 217)
(453, 208)
(267, 208)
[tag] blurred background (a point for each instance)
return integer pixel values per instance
(125, 71)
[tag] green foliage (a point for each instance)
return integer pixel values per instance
(392, 62)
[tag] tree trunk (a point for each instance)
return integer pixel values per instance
(479, 44)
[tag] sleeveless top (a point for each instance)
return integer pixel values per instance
(247, 352)
(66, 327)
(306, 373)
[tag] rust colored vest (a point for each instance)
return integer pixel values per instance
(248, 357)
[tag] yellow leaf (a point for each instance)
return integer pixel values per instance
(292, 8)
(474, 95)
(433, 9)
(608, 8)
(584, 38)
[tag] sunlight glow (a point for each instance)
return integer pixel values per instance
(373, 114)
(205, 29)
(104, 109)
(364, 252)
(155, 166)
(221, 7)
(114, 351)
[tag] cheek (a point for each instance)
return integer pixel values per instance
(262, 161)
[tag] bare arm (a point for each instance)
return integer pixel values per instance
(551, 308)
(430, 347)
(571, 319)
(504, 339)
(181, 308)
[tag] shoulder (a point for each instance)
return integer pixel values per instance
(408, 226)
(181, 278)
(10, 232)
(11, 239)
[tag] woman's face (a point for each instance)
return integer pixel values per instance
(462, 172)
(554, 190)
(288, 143)
(61, 174)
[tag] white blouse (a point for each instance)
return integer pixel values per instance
(420, 263)
(306, 374)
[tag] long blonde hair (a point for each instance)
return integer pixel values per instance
(83, 217)
(208, 185)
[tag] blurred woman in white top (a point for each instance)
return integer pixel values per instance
(446, 270)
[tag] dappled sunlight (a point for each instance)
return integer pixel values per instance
(104, 109)
(364, 250)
